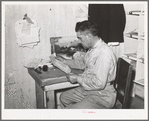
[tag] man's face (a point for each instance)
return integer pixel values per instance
(84, 38)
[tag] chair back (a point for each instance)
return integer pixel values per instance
(123, 82)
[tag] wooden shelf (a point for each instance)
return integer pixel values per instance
(134, 35)
(133, 56)
(141, 60)
(140, 82)
(136, 13)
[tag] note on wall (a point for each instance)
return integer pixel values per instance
(26, 28)
(27, 34)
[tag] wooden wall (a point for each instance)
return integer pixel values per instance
(54, 20)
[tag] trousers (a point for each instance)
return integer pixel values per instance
(78, 98)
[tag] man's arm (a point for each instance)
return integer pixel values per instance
(77, 62)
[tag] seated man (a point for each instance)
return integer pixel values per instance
(96, 90)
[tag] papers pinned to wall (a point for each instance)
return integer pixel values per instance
(27, 33)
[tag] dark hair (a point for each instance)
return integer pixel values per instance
(87, 26)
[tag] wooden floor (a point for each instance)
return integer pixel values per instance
(137, 103)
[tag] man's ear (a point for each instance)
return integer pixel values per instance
(89, 35)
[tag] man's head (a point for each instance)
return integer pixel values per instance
(87, 33)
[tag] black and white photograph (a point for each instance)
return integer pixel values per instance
(74, 60)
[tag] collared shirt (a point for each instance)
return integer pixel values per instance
(100, 67)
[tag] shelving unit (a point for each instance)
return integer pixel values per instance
(134, 39)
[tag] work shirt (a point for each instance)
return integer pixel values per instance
(100, 67)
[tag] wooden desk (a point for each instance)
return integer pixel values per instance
(55, 79)
(47, 82)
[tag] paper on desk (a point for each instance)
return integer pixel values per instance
(35, 62)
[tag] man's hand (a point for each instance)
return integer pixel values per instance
(52, 58)
(72, 78)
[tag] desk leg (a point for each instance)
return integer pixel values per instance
(39, 97)
(51, 99)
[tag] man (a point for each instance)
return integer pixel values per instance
(96, 90)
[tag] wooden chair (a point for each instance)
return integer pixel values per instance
(123, 84)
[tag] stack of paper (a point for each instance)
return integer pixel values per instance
(36, 62)
(27, 33)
